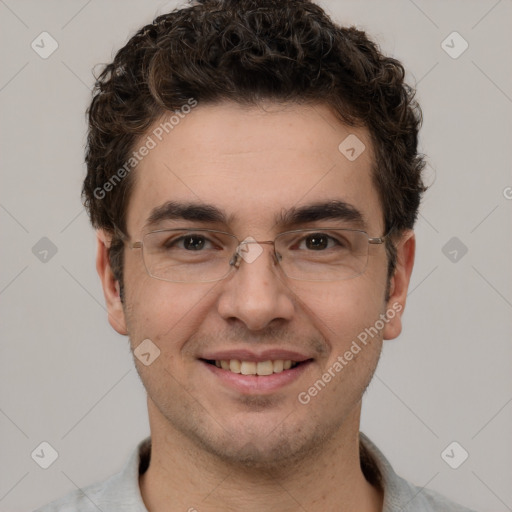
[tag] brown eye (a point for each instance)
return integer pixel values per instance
(194, 243)
(317, 241)
(187, 242)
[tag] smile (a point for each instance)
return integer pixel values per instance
(261, 368)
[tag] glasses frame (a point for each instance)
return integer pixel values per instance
(236, 259)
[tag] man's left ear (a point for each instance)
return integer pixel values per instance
(399, 284)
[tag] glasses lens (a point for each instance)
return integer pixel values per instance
(188, 255)
(323, 255)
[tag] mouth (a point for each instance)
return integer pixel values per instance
(253, 375)
(259, 368)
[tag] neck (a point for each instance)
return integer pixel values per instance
(182, 476)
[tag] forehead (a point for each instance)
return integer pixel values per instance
(254, 164)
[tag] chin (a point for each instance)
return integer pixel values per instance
(265, 447)
(253, 455)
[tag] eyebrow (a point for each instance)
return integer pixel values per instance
(199, 212)
(329, 210)
(293, 217)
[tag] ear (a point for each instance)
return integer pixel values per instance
(399, 284)
(110, 286)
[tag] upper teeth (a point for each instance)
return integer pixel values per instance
(253, 368)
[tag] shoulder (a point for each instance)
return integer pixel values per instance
(399, 494)
(86, 500)
(119, 492)
(107, 496)
(420, 499)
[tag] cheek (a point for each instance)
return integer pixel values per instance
(166, 313)
(347, 316)
(342, 310)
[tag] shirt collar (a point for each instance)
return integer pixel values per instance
(398, 493)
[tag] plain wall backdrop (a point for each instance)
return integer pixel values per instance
(68, 379)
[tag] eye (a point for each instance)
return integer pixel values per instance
(319, 242)
(194, 242)
(189, 242)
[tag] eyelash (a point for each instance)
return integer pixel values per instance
(172, 242)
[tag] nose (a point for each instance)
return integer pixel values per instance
(255, 293)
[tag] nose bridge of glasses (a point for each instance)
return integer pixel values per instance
(241, 251)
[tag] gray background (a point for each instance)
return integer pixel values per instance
(67, 378)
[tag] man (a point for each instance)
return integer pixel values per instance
(254, 180)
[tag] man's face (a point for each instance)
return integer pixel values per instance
(252, 165)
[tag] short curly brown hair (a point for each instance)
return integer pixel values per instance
(246, 51)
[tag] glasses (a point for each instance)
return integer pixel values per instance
(206, 255)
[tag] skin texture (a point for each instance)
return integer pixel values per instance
(214, 448)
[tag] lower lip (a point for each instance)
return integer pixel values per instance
(257, 384)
